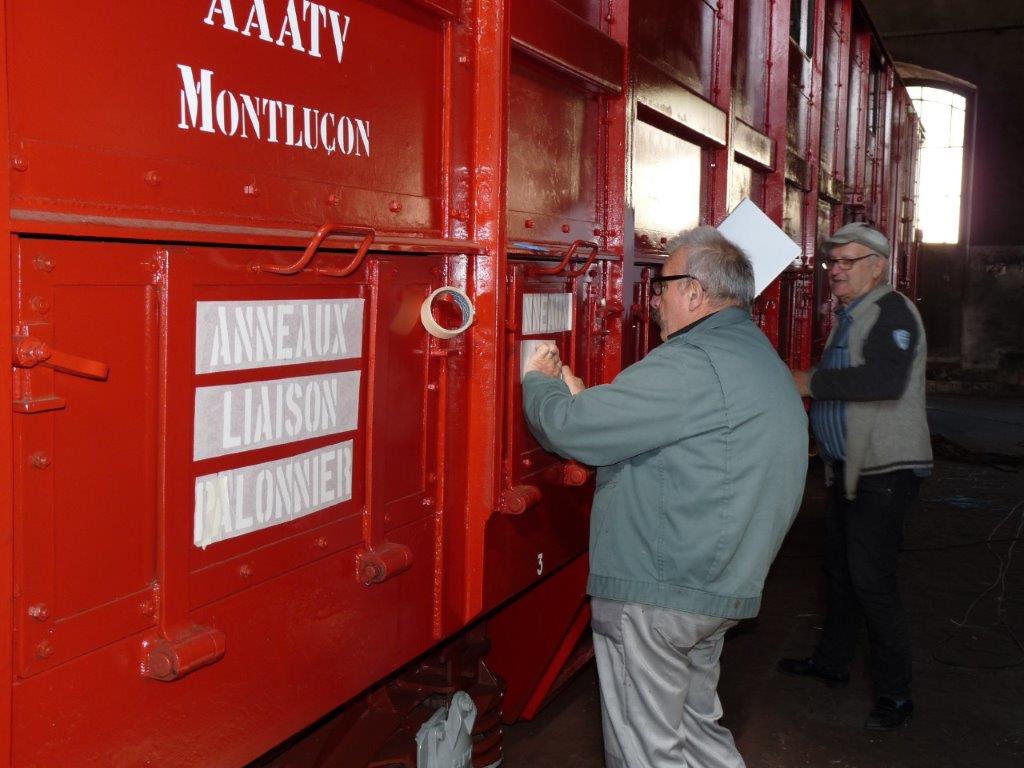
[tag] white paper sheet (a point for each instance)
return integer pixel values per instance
(769, 249)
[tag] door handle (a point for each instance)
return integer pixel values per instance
(30, 352)
(368, 234)
(560, 267)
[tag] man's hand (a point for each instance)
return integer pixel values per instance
(545, 360)
(574, 383)
(802, 379)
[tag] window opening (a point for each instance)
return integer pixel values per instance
(940, 172)
(801, 24)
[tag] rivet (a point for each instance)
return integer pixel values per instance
(320, 542)
(44, 650)
(39, 304)
(245, 571)
(527, 463)
(43, 263)
(153, 178)
(431, 387)
(19, 163)
(427, 502)
(39, 612)
(565, 228)
(40, 460)
(530, 224)
(394, 206)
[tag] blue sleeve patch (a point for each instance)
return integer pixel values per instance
(902, 338)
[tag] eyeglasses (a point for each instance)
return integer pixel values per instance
(844, 264)
(658, 283)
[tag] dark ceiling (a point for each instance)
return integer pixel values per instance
(903, 17)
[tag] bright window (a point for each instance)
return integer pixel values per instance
(940, 174)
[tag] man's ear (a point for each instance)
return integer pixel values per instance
(695, 294)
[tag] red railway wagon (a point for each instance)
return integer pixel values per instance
(271, 270)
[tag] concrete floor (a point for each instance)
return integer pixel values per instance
(966, 715)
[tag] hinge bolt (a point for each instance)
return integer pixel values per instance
(39, 612)
(43, 263)
(44, 650)
(40, 460)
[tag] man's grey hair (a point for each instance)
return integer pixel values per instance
(723, 269)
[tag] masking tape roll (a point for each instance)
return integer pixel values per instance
(461, 300)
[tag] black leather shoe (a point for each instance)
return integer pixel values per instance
(807, 668)
(888, 714)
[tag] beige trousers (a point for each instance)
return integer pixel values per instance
(658, 670)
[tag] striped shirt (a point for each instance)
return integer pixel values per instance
(828, 417)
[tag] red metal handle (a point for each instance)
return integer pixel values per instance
(556, 270)
(327, 230)
(30, 351)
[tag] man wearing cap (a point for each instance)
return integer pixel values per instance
(868, 416)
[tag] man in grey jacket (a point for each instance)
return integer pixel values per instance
(701, 450)
(868, 416)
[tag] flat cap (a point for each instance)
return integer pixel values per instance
(859, 232)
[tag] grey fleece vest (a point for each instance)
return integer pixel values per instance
(885, 435)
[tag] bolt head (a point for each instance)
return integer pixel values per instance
(43, 263)
(245, 571)
(40, 460)
(160, 665)
(44, 650)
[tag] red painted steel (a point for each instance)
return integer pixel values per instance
(188, 578)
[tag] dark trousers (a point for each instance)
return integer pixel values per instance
(862, 539)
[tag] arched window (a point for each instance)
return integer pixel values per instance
(940, 173)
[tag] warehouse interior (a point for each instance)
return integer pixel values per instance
(961, 578)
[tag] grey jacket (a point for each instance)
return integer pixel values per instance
(884, 389)
(701, 449)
